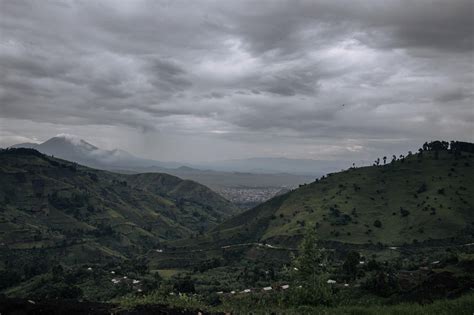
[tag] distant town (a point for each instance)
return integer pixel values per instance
(247, 197)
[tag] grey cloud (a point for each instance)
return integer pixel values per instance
(242, 70)
(454, 95)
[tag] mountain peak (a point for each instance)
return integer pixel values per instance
(65, 138)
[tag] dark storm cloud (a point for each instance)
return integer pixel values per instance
(359, 70)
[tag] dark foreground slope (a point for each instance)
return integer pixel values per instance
(421, 197)
(72, 307)
(51, 203)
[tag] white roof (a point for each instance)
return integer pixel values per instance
(331, 281)
(267, 288)
(285, 286)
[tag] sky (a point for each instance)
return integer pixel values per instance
(212, 80)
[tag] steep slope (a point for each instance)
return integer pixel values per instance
(47, 202)
(427, 196)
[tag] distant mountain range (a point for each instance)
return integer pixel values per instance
(75, 149)
(246, 182)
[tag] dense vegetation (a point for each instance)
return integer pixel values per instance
(371, 240)
(85, 215)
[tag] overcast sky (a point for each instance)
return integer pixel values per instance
(197, 80)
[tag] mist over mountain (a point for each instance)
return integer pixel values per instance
(73, 148)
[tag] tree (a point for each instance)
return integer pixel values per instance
(350, 264)
(184, 285)
(311, 273)
(311, 261)
(384, 160)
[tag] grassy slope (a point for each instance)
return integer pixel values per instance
(139, 209)
(376, 193)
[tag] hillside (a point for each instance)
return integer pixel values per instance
(47, 203)
(244, 189)
(420, 197)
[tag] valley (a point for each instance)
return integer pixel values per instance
(245, 183)
(380, 234)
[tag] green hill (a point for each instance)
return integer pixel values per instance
(51, 203)
(420, 197)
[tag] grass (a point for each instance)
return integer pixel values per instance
(179, 301)
(168, 273)
(441, 210)
(460, 306)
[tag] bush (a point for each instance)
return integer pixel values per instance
(59, 290)
(404, 212)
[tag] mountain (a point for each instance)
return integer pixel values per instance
(49, 203)
(74, 149)
(428, 196)
(273, 165)
(243, 188)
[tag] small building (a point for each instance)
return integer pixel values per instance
(267, 288)
(330, 281)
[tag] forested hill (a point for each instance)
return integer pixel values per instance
(47, 202)
(405, 199)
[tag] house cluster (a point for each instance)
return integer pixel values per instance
(134, 283)
(281, 287)
(265, 289)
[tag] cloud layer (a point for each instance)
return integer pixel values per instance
(239, 78)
